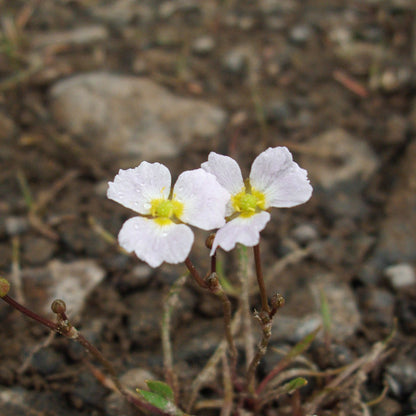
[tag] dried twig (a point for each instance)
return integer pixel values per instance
(360, 367)
(351, 84)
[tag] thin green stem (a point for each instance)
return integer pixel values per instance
(170, 302)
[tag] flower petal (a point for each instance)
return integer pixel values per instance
(155, 243)
(244, 230)
(228, 175)
(203, 198)
(226, 170)
(281, 179)
(135, 188)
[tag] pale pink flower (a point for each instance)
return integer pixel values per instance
(275, 181)
(159, 234)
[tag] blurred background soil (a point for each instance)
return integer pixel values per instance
(88, 87)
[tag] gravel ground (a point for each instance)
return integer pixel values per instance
(88, 87)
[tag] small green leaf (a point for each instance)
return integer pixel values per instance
(161, 388)
(154, 399)
(302, 345)
(325, 312)
(294, 384)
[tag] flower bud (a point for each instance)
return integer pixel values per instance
(209, 241)
(58, 306)
(4, 287)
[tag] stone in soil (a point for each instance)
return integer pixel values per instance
(78, 36)
(377, 307)
(133, 118)
(340, 166)
(401, 377)
(18, 401)
(37, 250)
(303, 315)
(397, 237)
(71, 282)
(400, 275)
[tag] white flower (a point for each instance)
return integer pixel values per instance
(159, 233)
(275, 181)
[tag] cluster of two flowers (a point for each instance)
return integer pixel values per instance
(212, 197)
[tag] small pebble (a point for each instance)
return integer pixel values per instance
(16, 225)
(401, 377)
(235, 62)
(203, 45)
(300, 34)
(400, 275)
(305, 233)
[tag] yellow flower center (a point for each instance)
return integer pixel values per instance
(164, 209)
(248, 202)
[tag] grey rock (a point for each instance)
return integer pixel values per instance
(400, 275)
(278, 110)
(16, 225)
(340, 167)
(119, 13)
(278, 6)
(377, 306)
(236, 61)
(401, 377)
(71, 282)
(132, 117)
(344, 314)
(46, 361)
(397, 237)
(77, 36)
(168, 8)
(295, 324)
(293, 329)
(38, 250)
(342, 158)
(300, 34)
(203, 45)
(18, 401)
(305, 233)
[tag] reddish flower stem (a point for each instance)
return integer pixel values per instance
(259, 273)
(46, 322)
